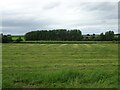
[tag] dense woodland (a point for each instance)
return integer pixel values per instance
(59, 35)
(62, 35)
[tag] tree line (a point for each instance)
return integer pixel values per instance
(58, 35)
(108, 36)
(69, 35)
(8, 39)
(62, 35)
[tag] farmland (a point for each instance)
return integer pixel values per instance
(60, 65)
(16, 37)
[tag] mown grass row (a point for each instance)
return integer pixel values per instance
(70, 42)
(60, 65)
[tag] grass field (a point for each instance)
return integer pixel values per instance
(60, 65)
(16, 37)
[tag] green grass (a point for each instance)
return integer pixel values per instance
(60, 65)
(16, 37)
(70, 42)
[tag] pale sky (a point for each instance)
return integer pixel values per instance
(91, 16)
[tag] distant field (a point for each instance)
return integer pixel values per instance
(60, 65)
(16, 37)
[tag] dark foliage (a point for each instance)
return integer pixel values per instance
(6, 38)
(69, 35)
(59, 35)
(19, 39)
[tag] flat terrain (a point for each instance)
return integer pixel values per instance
(60, 65)
(16, 37)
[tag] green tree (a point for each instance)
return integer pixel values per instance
(109, 36)
(59, 34)
(102, 37)
(19, 39)
(6, 38)
(92, 37)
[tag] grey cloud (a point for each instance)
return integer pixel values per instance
(26, 22)
(14, 30)
(119, 10)
(98, 29)
(18, 23)
(104, 10)
(51, 5)
(103, 6)
(46, 17)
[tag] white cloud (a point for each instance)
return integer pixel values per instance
(22, 16)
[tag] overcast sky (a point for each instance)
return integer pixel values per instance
(21, 16)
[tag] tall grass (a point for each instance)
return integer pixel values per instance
(67, 78)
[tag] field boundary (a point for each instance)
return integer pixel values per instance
(69, 42)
